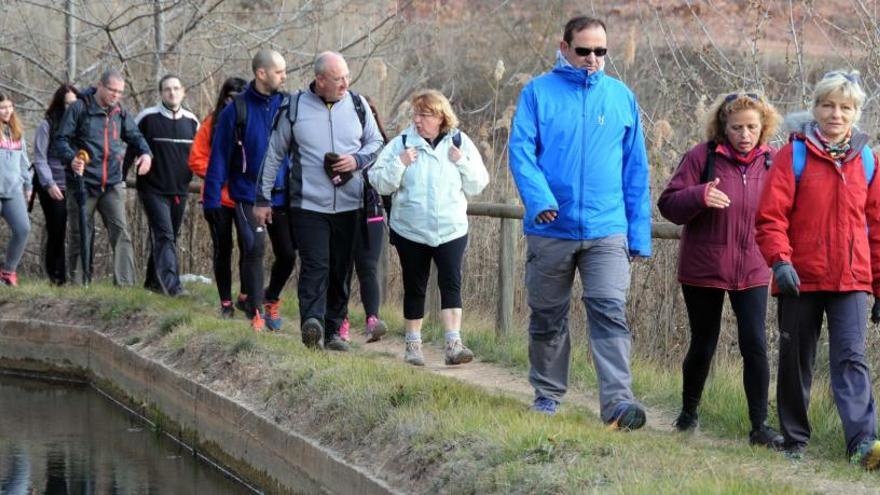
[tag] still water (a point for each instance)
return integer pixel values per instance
(69, 439)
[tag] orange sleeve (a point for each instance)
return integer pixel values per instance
(201, 149)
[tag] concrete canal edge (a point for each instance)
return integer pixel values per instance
(264, 454)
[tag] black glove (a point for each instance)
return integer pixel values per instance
(875, 311)
(786, 278)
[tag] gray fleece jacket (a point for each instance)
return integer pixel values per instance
(319, 130)
(15, 176)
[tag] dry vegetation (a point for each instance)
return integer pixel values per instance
(676, 55)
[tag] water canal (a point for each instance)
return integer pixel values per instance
(62, 438)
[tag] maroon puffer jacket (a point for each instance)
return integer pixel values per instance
(717, 246)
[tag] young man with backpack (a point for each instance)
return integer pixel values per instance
(169, 130)
(237, 149)
(92, 137)
(330, 138)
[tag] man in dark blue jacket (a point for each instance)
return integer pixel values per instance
(236, 155)
(577, 154)
(98, 125)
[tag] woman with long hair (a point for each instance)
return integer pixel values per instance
(221, 224)
(714, 195)
(15, 188)
(50, 184)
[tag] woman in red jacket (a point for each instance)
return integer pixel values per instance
(818, 226)
(714, 194)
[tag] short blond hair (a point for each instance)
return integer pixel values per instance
(433, 102)
(844, 84)
(726, 105)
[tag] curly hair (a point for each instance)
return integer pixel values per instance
(726, 105)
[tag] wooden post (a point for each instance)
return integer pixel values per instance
(506, 271)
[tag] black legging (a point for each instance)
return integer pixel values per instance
(284, 249)
(367, 251)
(55, 213)
(221, 238)
(704, 307)
(415, 263)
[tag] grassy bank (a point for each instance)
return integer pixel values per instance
(422, 433)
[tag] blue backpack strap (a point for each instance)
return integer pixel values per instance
(868, 163)
(798, 158)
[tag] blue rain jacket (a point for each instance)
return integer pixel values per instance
(576, 146)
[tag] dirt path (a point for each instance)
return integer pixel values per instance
(499, 379)
(515, 384)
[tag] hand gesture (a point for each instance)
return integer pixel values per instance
(55, 193)
(408, 156)
(78, 165)
(454, 154)
(714, 197)
(143, 164)
(547, 216)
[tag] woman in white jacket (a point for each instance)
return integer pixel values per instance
(430, 170)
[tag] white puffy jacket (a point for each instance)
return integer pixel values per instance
(429, 197)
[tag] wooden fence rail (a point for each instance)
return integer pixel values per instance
(510, 216)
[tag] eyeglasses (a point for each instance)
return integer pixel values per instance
(583, 51)
(732, 96)
(113, 90)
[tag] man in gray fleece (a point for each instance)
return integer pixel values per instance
(320, 128)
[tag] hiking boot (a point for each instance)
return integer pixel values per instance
(375, 328)
(226, 310)
(336, 344)
(413, 354)
(9, 278)
(257, 322)
(794, 453)
(627, 416)
(457, 353)
(867, 454)
(312, 332)
(271, 309)
(546, 406)
(345, 331)
(767, 437)
(686, 422)
(241, 303)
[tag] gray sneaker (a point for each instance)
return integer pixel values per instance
(336, 344)
(312, 331)
(413, 354)
(457, 353)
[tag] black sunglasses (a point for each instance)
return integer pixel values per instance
(585, 52)
(732, 96)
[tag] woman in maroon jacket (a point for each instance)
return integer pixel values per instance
(818, 226)
(714, 194)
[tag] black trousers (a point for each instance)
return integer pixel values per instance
(415, 263)
(55, 213)
(704, 307)
(220, 226)
(251, 243)
(368, 250)
(326, 247)
(164, 215)
(284, 248)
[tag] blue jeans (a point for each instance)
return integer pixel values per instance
(14, 211)
(603, 265)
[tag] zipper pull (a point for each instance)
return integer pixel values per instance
(744, 179)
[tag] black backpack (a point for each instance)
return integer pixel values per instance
(456, 139)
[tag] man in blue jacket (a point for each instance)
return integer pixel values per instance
(237, 151)
(577, 154)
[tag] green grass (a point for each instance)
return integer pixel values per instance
(446, 435)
